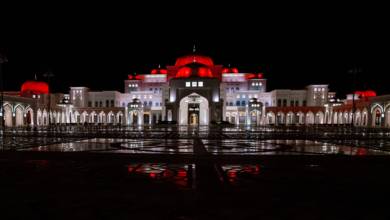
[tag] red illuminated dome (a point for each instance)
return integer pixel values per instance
(205, 72)
(159, 71)
(182, 61)
(35, 88)
(229, 70)
(194, 70)
(184, 72)
(365, 94)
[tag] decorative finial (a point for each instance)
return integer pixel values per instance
(229, 65)
(159, 66)
(35, 77)
(194, 49)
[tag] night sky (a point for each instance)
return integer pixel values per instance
(98, 50)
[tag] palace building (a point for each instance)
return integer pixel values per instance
(193, 91)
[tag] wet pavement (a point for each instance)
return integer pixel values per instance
(193, 177)
(215, 147)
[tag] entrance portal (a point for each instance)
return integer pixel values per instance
(194, 110)
(193, 114)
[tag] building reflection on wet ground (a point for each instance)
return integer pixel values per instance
(194, 178)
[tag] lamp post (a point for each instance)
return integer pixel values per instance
(48, 75)
(3, 59)
(354, 72)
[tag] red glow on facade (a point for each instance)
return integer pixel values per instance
(163, 71)
(34, 87)
(182, 61)
(365, 94)
(152, 175)
(140, 77)
(230, 70)
(184, 72)
(254, 76)
(130, 76)
(250, 76)
(159, 71)
(205, 72)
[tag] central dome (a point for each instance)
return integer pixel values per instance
(194, 70)
(182, 61)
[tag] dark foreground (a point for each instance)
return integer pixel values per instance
(109, 189)
(191, 173)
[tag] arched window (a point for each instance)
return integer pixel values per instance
(145, 103)
(237, 103)
(243, 103)
(377, 117)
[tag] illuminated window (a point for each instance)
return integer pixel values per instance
(200, 84)
(188, 84)
(260, 84)
(194, 84)
(315, 89)
(243, 96)
(253, 84)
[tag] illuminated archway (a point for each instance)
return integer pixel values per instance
(358, 118)
(309, 118)
(290, 118)
(135, 117)
(335, 118)
(45, 120)
(19, 116)
(319, 119)
(255, 116)
(280, 118)
(300, 118)
(346, 117)
(119, 117)
(39, 117)
(29, 116)
(111, 118)
(84, 117)
(365, 117)
(7, 115)
(377, 115)
(196, 107)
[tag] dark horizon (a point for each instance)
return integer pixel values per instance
(291, 54)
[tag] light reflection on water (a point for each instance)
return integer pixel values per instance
(237, 173)
(216, 147)
(174, 173)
